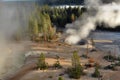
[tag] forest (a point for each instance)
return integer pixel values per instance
(67, 2)
(44, 20)
(62, 2)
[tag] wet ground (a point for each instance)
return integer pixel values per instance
(108, 41)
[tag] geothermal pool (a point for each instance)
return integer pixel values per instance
(111, 41)
(107, 35)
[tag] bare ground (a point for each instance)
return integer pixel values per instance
(28, 71)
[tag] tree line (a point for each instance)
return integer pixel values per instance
(44, 19)
(61, 16)
(61, 2)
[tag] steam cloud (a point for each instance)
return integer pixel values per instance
(105, 11)
(13, 16)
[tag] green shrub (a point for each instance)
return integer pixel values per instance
(57, 65)
(111, 67)
(76, 70)
(96, 73)
(60, 78)
(42, 65)
(109, 58)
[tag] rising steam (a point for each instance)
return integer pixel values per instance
(13, 16)
(106, 11)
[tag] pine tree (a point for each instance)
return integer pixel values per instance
(40, 23)
(41, 62)
(76, 71)
(44, 17)
(75, 59)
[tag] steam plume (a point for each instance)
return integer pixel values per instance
(13, 16)
(107, 12)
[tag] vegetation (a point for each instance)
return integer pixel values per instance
(44, 19)
(76, 70)
(40, 26)
(110, 58)
(111, 67)
(96, 72)
(60, 78)
(42, 65)
(57, 63)
(61, 16)
(115, 61)
(61, 2)
(75, 59)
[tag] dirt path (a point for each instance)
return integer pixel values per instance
(24, 70)
(32, 66)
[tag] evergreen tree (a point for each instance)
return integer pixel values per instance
(75, 59)
(42, 65)
(76, 71)
(44, 17)
(48, 30)
(40, 22)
